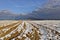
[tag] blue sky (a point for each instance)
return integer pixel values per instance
(20, 6)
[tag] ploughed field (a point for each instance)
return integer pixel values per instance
(29, 30)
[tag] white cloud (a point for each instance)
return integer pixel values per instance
(51, 3)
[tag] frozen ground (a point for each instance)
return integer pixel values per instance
(31, 30)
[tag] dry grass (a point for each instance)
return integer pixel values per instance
(6, 22)
(33, 36)
(11, 26)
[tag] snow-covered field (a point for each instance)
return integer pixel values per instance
(30, 30)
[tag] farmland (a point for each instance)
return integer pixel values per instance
(29, 30)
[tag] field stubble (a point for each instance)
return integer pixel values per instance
(29, 30)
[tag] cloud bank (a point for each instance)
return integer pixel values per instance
(50, 10)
